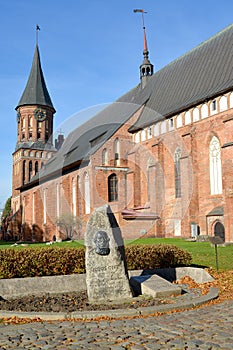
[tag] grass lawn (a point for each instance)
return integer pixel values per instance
(203, 253)
(69, 244)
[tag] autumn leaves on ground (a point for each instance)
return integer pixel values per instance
(224, 281)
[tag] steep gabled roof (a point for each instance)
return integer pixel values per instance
(199, 75)
(36, 92)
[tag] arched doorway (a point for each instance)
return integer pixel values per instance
(219, 230)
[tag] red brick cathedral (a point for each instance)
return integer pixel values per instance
(161, 156)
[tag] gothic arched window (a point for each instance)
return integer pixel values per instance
(104, 157)
(24, 171)
(36, 167)
(215, 166)
(177, 173)
(112, 188)
(30, 170)
(117, 151)
(149, 164)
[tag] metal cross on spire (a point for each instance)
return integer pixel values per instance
(37, 30)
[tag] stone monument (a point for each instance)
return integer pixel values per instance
(106, 271)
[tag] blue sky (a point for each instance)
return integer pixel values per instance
(91, 51)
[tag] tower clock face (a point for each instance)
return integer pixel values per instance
(40, 114)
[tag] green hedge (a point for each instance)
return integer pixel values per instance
(31, 262)
(156, 256)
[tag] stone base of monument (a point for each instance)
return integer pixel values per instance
(154, 286)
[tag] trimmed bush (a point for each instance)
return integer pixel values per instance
(31, 262)
(141, 257)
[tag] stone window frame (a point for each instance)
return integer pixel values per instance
(215, 166)
(104, 156)
(177, 172)
(117, 151)
(112, 188)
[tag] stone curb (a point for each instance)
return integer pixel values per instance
(118, 313)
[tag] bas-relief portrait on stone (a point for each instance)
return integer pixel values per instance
(106, 270)
(101, 243)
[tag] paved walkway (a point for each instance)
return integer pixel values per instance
(205, 328)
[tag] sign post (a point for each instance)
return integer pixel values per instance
(216, 240)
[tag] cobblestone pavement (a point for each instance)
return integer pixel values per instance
(210, 327)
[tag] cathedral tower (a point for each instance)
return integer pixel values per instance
(34, 144)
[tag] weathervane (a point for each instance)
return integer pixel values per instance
(37, 29)
(142, 12)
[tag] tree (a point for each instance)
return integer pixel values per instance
(70, 225)
(7, 208)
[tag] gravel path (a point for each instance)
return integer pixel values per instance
(203, 328)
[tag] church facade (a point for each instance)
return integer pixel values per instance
(161, 156)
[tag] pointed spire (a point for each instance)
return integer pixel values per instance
(146, 68)
(145, 41)
(36, 92)
(146, 52)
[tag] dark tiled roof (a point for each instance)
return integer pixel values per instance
(36, 92)
(197, 76)
(38, 145)
(218, 211)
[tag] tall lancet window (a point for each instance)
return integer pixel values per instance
(215, 166)
(36, 167)
(177, 173)
(24, 171)
(30, 170)
(104, 157)
(117, 151)
(112, 188)
(87, 194)
(149, 164)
